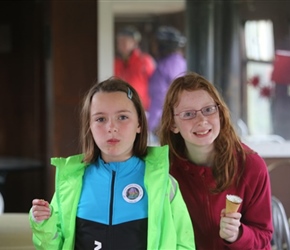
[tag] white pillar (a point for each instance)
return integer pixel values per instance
(105, 47)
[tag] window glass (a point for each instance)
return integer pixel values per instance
(259, 106)
(259, 40)
(260, 55)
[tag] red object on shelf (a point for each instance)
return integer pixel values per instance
(281, 67)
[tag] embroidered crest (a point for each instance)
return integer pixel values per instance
(132, 193)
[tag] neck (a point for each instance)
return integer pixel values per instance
(201, 155)
(125, 56)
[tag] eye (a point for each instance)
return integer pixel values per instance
(123, 117)
(100, 119)
(188, 114)
(209, 109)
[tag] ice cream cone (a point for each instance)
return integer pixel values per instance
(233, 203)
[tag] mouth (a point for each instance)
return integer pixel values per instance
(113, 140)
(201, 133)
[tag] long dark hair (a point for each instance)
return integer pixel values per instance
(113, 84)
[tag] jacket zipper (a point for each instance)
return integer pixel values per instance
(208, 211)
(111, 209)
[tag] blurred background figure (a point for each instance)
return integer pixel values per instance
(169, 43)
(133, 65)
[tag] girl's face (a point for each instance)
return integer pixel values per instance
(201, 130)
(114, 125)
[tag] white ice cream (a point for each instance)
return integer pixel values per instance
(234, 198)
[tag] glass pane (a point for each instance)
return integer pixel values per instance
(251, 36)
(259, 104)
(266, 40)
(259, 40)
(260, 55)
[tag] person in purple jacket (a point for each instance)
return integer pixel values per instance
(170, 64)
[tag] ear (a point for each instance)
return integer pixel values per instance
(138, 131)
(174, 129)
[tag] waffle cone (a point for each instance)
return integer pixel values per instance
(232, 206)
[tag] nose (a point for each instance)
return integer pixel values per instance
(200, 115)
(112, 127)
(200, 118)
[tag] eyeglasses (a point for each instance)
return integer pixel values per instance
(190, 114)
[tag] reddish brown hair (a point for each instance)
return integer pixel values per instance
(227, 144)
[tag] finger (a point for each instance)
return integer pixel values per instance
(223, 212)
(232, 218)
(41, 213)
(231, 228)
(229, 235)
(229, 224)
(224, 233)
(41, 217)
(40, 208)
(40, 202)
(237, 215)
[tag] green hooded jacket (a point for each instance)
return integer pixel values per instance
(169, 224)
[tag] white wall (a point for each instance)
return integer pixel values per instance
(105, 40)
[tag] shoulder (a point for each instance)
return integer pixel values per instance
(67, 160)
(175, 64)
(157, 156)
(117, 60)
(73, 163)
(143, 55)
(255, 164)
(157, 151)
(148, 58)
(252, 155)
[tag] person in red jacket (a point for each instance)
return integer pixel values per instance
(209, 161)
(133, 65)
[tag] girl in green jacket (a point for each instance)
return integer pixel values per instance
(117, 194)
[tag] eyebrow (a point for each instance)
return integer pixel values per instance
(190, 109)
(118, 112)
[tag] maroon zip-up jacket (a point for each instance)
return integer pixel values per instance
(205, 207)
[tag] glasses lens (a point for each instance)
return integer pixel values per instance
(209, 110)
(190, 114)
(186, 115)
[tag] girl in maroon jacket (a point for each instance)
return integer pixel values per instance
(209, 161)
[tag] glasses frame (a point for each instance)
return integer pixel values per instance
(202, 110)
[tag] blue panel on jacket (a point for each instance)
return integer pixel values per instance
(130, 201)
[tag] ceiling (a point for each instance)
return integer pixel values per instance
(145, 7)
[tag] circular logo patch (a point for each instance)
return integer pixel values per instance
(132, 193)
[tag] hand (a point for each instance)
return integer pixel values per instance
(40, 210)
(230, 226)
